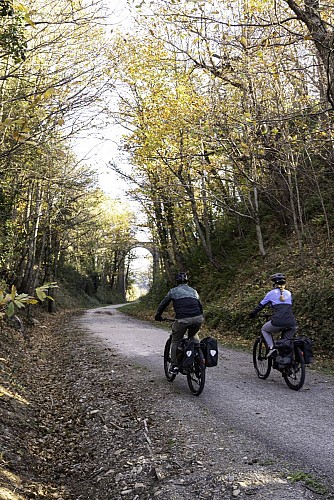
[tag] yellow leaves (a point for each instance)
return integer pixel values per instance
(293, 139)
(6, 298)
(248, 117)
(13, 121)
(243, 42)
(43, 96)
(19, 7)
(20, 137)
(265, 42)
(61, 153)
(49, 92)
(42, 295)
(8, 301)
(28, 20)
(7, 122)
(20, 124)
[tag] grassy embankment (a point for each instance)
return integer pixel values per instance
(229, 297)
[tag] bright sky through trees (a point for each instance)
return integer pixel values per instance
(99, 146)
(97, 149)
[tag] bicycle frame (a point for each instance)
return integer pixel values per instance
(195, 373)
(293, 374)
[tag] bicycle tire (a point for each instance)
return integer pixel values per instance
(167, 360)
(261, 363)
(196, 374)
(294, 376)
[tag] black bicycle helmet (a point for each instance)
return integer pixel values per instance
(278, 279)
(181, 278)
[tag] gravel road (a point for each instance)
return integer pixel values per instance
(261, 416)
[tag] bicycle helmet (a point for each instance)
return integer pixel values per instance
(278, 279)
(181, 278)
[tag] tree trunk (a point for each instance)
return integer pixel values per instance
(256, 219)
(322, 35)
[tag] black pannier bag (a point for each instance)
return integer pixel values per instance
(209, 346)
(306, 346)
(185, 353)
(285, 353)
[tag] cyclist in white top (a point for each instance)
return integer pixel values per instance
(280, 300)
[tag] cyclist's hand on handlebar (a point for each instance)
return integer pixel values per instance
(157, 317)
(252, 315)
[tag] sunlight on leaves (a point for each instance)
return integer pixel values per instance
(13, 395)
(5, 494)
(13, 478)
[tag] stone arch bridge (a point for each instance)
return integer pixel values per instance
(148, 245)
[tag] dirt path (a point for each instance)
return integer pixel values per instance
(266, 410)
(82, 421)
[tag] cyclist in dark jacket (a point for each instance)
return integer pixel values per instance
(280, 300)
(188, 314)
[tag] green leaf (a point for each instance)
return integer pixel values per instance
(18, 304)
(40, 294)
(13, 292)
(10, 309)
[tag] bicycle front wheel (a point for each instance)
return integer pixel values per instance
(261, 363)
(294, 376)
(167, 360)
(196, 374)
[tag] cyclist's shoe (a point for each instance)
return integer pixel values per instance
(272, 353)
(173, 370)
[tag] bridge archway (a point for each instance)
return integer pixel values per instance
(147, 245)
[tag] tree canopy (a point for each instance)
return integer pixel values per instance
(228, 111)
(227, 116)
(54, 84)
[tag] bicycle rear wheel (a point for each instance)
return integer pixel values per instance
(294, 376)
(261, 363)
(196, 374)
(167, 360)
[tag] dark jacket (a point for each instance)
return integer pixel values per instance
(282, 314)
(185, 300)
